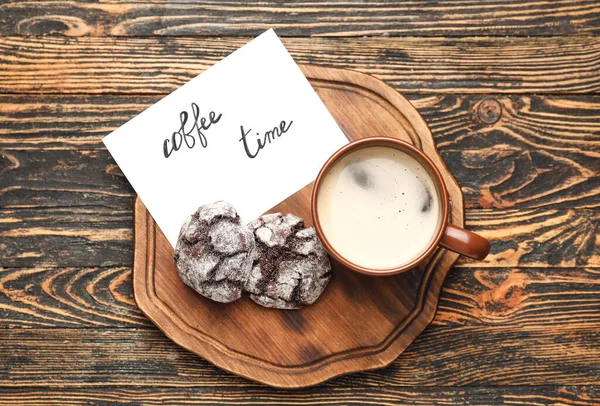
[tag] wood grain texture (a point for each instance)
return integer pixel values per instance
(441, 357)
(68, 297)
(300, 18)
(525, 299)
(83, 237)
(542, 151)
(326, 394)
(67, 236)
(534, 168)
(50, 178)
(560, 300)
(64, 209)
(566, 238)
(544, 122)
(99, 65)
(67, 203)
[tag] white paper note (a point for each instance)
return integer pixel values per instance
(201, 143)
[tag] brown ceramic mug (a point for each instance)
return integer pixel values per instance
(447, 235)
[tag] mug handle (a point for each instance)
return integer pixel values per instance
(465, 242)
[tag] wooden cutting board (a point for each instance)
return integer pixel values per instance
(360, 322)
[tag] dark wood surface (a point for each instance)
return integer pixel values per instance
(521, 327)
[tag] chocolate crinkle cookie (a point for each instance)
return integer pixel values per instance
(291, 267)
(214, 252)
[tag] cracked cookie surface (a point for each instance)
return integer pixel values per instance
(291, 267)
(214, 252)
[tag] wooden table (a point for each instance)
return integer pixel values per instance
(510, 90)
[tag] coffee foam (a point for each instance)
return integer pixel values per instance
(378, 207)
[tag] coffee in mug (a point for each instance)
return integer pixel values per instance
(379, 207)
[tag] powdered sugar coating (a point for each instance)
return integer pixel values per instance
(214, 252)
(291, 267)
(274, 229)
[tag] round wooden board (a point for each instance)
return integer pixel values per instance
(359, 323)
